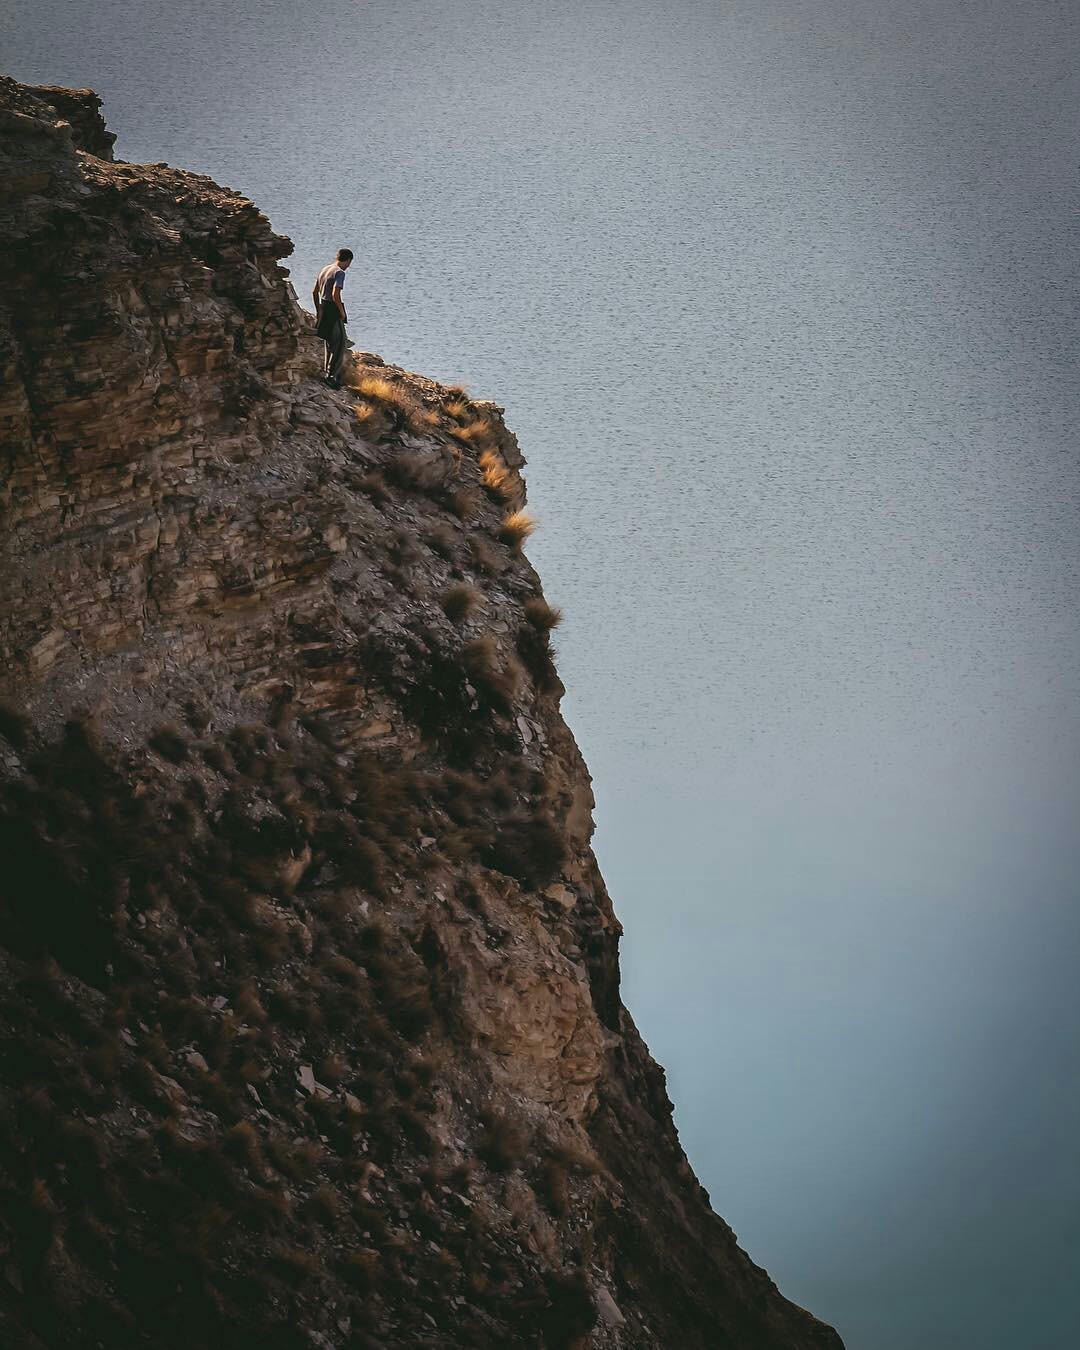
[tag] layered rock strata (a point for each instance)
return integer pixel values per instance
(310, 1028)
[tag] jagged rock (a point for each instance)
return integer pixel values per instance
(80, 108)
(561, 895)
(262, 795)
(607, 1308)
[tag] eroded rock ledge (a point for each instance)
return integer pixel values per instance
(310, 1029)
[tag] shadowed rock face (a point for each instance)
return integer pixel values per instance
(310, 1030)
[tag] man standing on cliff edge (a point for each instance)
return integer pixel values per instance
(331, 316)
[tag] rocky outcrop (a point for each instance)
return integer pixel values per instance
(310, 1029)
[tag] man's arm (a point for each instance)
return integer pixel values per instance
(340, 304)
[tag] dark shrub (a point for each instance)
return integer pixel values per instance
(458, 601)
(497, 681)
(295, 1265)
(324, 1205)
(170, 743)
(485, 558)
(361, 1269)
(571, 1312)
(542, 616)
(374, 485)
(503, 1143)
(14, 725)
(217, 758)
(553, 1187)
(528, 848)
(443, 541)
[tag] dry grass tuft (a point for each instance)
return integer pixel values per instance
(530, 848)
(443, 541)
(515, 529)
(498, 681)
(460, 503)
(542, 616)
(480, 657)
(333, 1070)
(247, 1003)
(384, 391)
(425, 419)
(534, 647)
(170, 743)
(197, 715)
(374, 485)
(423, 471)
(497, 479)
(503, 1143)
(385, 403)
(242, 1144)
(486, 558)
(295, 1265)
(216, 757)
(571, 1314)
(324, 1205)
(361, 1269)
(475, 433)
(553, 1187)
(14, 725)
(459, 601)
(297, 1161)
(576, 1159)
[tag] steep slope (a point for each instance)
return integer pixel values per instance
(310, 1029)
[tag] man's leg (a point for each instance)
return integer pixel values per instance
(322, 328)
(335, 354)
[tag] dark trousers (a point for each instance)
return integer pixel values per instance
(332, 331)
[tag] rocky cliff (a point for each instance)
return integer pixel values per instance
(310, 1028)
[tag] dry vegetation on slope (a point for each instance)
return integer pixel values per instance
(310, 1031)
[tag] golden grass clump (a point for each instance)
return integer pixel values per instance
(363, 412)
(515, 529)
(423, 421)
(475, 432)
(496, 476)
(458, 409)
(375, 387)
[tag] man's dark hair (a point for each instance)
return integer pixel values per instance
(344, 255)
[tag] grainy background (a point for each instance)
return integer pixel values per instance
(782, 302)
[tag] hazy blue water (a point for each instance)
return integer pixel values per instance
(782, 299)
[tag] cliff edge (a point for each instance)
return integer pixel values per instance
(310, 1028)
